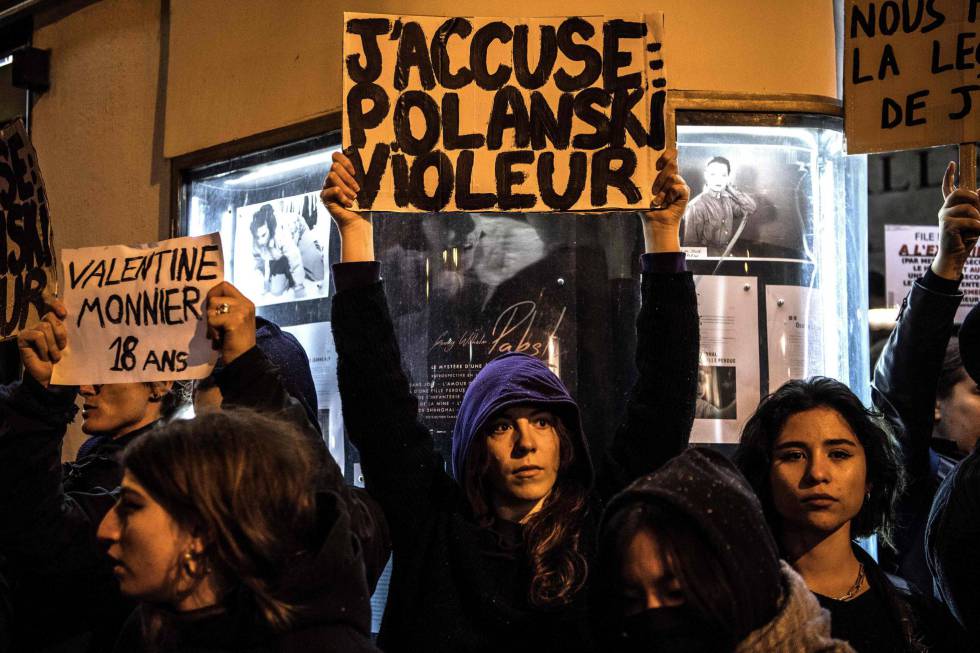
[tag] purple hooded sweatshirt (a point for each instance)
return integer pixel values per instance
(512, 380)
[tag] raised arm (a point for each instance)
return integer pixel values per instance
(380, 412)
(907, 372)
(660, 410)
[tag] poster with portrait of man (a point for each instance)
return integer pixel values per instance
(748, 200)
(281, 250)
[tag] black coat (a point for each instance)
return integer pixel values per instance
(457, 587)
(904, 389)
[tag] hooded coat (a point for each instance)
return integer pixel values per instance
(704, 487)
(458, 586)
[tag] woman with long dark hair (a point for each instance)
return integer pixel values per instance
(827, 471)
(687, 564)
(221, 535)
(498, 556)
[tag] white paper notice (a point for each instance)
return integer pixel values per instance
(793, 325)
(137, 313)
(728, 374)
(909, 251)
(317, 340)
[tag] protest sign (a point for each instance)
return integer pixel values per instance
(911, 74)
(138, 313)
(909, 251)
(27, 262)
(493, 114)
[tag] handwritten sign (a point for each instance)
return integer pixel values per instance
(491, 114)
(911, 74)
(27, 262)
(909, 251)
(138, 313)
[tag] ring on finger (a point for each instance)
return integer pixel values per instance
(222, 308)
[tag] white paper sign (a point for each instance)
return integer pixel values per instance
(728, 373)
(909, 251)
(793, 328)
(137, 313)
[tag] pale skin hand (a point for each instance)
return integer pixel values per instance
(41, 347)
(231, 333)
(338, 195)
(661, 227)
(959, 222)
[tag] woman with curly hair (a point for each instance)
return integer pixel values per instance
(827, 471)
(497, 557)
(220, 533)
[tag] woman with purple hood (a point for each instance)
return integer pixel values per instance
(498, 556)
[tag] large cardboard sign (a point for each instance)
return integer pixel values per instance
(139, 313)
(27, 262)
(911, 74)
(503, 114)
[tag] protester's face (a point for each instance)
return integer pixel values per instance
(959, 415)
(648, 581)
(716, 176)
(262, 236)
(819, 472)
(524, 448)
(117, 408)
(145, 544)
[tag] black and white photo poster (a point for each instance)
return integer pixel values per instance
(281, 250)
(748, 200)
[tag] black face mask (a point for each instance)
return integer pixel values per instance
(671, 630)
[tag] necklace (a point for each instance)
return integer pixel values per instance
(855, 588)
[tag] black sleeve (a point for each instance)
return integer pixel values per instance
(660, 411)
(254, 381)
(907, 372)
(32, 497)
(401, 470)
(48, 535)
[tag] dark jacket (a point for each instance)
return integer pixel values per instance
(953, 540)
(455, 585)
(904, 389)
(910, 620)
(52, 511)
(327, 587)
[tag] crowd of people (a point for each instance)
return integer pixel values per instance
(235, 530)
